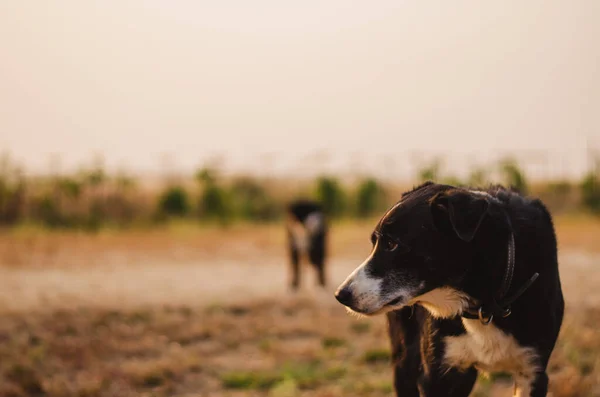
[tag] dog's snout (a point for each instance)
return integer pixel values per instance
(344, 296)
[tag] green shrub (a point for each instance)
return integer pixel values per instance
(478, 177)
(69, 187)
(46, 211)
(430, 172)
(215, 204)
(12, 192)
(369, 198)
(514, 176)
(174, 202)
(590, 192)
(251, 201)
(12, 201)
(331, 195)
(452, 181)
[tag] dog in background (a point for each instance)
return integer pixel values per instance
(307, 233)
(470, 283)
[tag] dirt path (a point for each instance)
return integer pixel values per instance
(120, 285)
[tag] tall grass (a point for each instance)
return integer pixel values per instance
(92, 198)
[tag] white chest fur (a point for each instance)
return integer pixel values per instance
(491, 350)
(301, 233)
(484, 346)
(299, 236)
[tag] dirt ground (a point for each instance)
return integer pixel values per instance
(206, 312)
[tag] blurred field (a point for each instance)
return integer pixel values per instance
(190, 311)
(186, 241)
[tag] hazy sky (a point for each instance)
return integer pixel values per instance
(135, 79)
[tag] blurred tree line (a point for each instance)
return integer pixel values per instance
(91, 198)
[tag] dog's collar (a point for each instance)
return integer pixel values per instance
(500, 303)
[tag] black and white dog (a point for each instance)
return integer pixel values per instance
(469, 281)
(307, 233)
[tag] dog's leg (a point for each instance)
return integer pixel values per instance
(464, 383)
(295, 269)
(320, 267)
(317, 257)
(454, 383)
(321, 272)
(295, 262)
(405, 384)
(403, 330)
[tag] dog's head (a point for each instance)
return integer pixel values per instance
(421, 246)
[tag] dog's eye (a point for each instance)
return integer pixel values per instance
(390, 245)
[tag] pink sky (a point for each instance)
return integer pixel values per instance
(368, 82)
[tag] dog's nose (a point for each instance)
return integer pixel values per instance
(344, 296)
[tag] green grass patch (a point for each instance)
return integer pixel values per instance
(265, 345)
(377, 356)
(307, 375)
(154, 378)
(360, 327)
(332, 342)
(303, 376)
(583, 359)
(250, 380)
(334, 373)
(367, 388)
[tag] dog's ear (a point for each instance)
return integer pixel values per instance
(459, 212)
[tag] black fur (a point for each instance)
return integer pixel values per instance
(457, 237)
(299, 211)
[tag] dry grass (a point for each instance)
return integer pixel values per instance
(179, 242)
(267, 348)
(261, 348)
(578, 232)
(286, 346)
